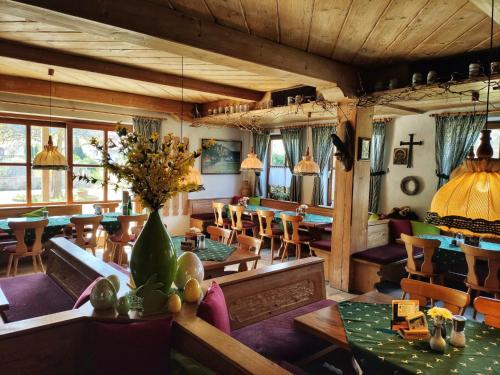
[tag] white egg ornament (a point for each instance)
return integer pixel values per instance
(103, 295)
(189, 266)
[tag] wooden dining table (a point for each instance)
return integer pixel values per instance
(309, 220)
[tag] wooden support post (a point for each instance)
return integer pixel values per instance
(45, 183)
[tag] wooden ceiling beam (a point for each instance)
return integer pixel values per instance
(42, 88)
(55, 58)
(485, 7)
(160, 28)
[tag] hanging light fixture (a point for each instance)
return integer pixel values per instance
(307, 166)
(194, 176)
(50, 158)
(251, 163)
(469, 203)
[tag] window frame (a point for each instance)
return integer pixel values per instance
(269, 158)
(69, 126)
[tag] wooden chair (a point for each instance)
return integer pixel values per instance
(490, 308)
(220, 221)
(292, 235)
(20, 249)
(454, 300)
(485, 279)
(237, 224)
(82, 237)
(417, 266)
(219, 234)
(124, 236)
(107, 207)
(268, 229)
(251, 244)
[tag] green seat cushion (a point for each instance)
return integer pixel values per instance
(254, 201)
(419, 228)
(183, 365)
(36, 213)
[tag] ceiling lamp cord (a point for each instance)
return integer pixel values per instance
(490, 54)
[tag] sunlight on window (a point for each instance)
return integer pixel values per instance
(279, 173)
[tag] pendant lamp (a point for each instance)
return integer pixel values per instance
(307, 166)
(50, 158)
(469, 203)
(251, 163)
(194, 176)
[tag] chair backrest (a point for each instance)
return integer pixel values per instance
(20, 228)
(80, 224)
(219, 234)
(291, 234)
(235, 212)
(490, 308)
(428, 246)
(248, 243)
(125, 221)
(218, 208)
(265, 222)
(453, 299)
(491, 257)
(107, 207)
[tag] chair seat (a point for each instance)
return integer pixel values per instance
(117, 238)
(303, 237)
(11, 249)
(325, 245)
(246, 224)
(385, 254)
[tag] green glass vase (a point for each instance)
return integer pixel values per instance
(154, 253)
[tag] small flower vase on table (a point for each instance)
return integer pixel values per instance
(439, 315)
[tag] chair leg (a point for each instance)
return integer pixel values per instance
(9, 264)
(39, 257)
(431, 281)
(120, 254)
(403, 296)
(35, 268)
(298, 251)
(16, 260)
(93, 250)
(475, 311)
(285, 251)
(272, 249)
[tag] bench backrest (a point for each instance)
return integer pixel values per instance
(203, 206)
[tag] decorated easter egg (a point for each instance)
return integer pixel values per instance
(174, 303)
(123, 305)
(188, 266)
(115, 281)
(103, 295)
(192, 291)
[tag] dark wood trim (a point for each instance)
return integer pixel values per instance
(52, 57)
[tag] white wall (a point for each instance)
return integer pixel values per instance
(424, 164)
(216, 186)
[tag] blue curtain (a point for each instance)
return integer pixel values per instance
(260, 145)
(322, 152)
(376, 164)
(294, 141)
(455, 135)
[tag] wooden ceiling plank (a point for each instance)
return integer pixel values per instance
(360, 21)
(37, 87)
(328, 18)
(485, 7)
(228, 13)
(51, 57)
(196, 8)
(261, 16)
(160, 28)
(394, 20)
(295, 17)
(460, 22)
(485, 44)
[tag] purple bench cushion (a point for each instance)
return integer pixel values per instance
(325, 245)
(397, 227)
(386, 254)
(35, 295)
(277, 339)
(328, 228)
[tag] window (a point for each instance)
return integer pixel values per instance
(331, 180)
(21, 140)
(495, 141)
(278, 173)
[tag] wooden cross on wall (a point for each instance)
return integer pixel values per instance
(410, 145)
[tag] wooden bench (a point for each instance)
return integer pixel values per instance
(289, 285)
(201, 213)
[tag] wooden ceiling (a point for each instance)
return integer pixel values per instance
(314, 33)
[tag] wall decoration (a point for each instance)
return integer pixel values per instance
(410, 185)
(400, 156)
(224, 157)
(411, 143)
(364, 148)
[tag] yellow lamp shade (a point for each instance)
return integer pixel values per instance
(251, 163)
(307, 166)
(194, 178)
(50, 158)
(470, 202)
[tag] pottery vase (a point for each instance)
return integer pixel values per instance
(437, 342)
(154, 253)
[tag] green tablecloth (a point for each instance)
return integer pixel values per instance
(450, 257)
(56, 223)
(214, 250)
(308, 218)
(379, 350)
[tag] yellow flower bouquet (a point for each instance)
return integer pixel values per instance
(440, 314)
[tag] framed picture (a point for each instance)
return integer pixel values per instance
(224, 157)
(400, 156)
(364, 145)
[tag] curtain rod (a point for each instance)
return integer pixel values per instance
(382, 119)
(328, 124)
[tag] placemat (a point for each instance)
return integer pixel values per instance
(214, 251)
(379, 350)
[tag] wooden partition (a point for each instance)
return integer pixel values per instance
(291, 206)
(61, 338)
(203, 206)
(54, 210)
